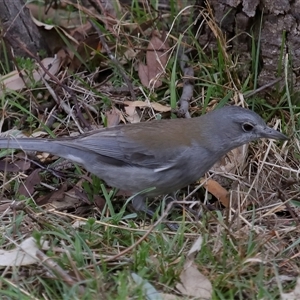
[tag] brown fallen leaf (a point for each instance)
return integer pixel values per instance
(57, 195)
(27, 188)
(70, 199)
(232, 163)
(217, 190)
(15, 166)
(83, 197)
(156, 59)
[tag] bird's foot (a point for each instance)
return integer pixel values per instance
(139, 205)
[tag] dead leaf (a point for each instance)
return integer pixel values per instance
(83, 198)
(143, 74)
(217, 190)
(57, 195)
(196, 247)
(59, 17)
(38, 134)
(129, 55)
(294, 294)
(156, 59)
(113, 117)
(159, 107)
(14, 133)
(78, 223)
(99, 202)
(24, 254)
(156, 106)
(27, 188)
(132, 115)
(193, 282)
(38, 23)
(52, 64)
(15, 166)
(70, 199)
(13, 80)
(86, 50)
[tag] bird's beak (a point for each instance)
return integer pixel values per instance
(271, 133)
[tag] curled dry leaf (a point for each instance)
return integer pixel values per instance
(217, 190)
(156, 60)
(59, 17)
(232, 163)
(52, 64)
(196, 247)
(32, 11)
(156, 106)
(132, 115)
(39, 134)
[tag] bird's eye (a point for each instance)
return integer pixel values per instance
(247, 127)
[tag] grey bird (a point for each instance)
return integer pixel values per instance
(165, 155)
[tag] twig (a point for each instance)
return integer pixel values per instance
(57, 270)
(65, 87)
(115, 61)
(263, 87)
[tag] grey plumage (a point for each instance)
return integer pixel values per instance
(165, 154)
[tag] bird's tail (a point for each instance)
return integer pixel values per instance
(42, 145)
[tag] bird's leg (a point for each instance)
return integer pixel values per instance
(195, 213)
(139, 205)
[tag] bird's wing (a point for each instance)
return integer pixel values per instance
(120, 148)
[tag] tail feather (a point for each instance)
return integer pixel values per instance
(43, 145)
